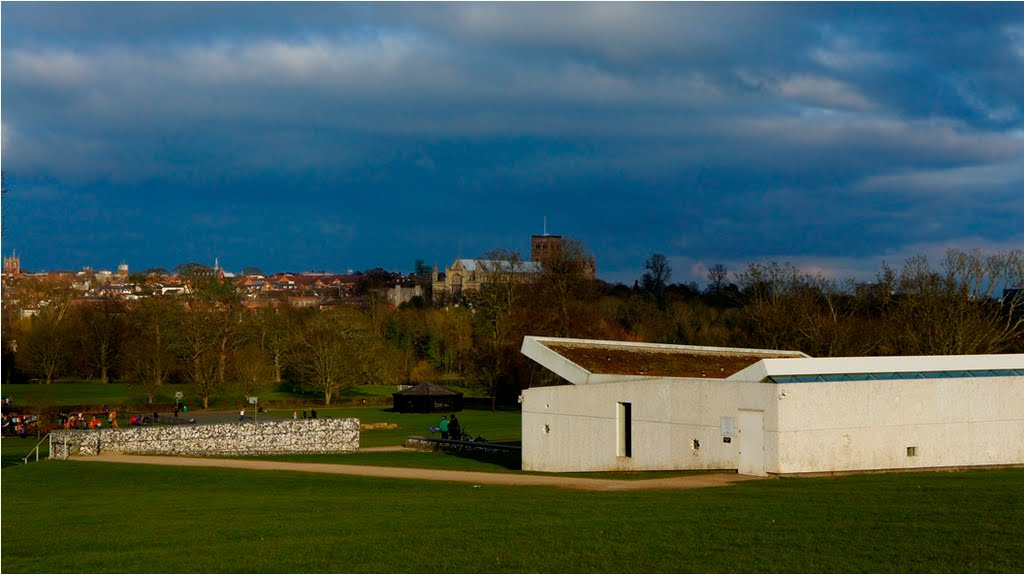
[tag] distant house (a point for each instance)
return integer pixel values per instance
(304, 302)
(120, 290)
(174, 288)
(639, 406)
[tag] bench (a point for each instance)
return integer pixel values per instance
(423, 443)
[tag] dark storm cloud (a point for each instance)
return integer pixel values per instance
(357, 135)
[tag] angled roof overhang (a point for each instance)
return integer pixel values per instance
(672, 361)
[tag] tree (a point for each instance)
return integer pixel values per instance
(100, 330)
(787, 309)
(251, 367)
(561, 301)
(44, 347)
(449, 338)
(273, 330)
(718, 275)
(327, 354)
(198, 349)
(958, 309)
(494, 308)
(193, 270)
(373, 285)
(656, 277)
(423, 372)
(405, 330)
(148, 358)
(43, 350)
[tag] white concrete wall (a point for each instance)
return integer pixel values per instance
(667, 415)
(808, 427)
(868, 425)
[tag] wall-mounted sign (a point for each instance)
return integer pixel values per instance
(728, 427)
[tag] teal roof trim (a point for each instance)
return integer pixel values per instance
(895, 376)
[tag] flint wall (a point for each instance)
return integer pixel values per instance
(307, 436)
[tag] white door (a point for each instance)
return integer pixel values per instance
(751, 434)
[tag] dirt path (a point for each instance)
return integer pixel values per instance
(480, 478)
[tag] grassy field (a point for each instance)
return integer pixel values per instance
(498, 426)
(127, 518)
(93, 393)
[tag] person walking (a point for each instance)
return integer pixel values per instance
(455, 428)
(444, 427)
(241, 416)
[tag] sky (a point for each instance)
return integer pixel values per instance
(342, 136)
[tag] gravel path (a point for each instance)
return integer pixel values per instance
(476, 478)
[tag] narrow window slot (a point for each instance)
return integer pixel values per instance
(625, 438)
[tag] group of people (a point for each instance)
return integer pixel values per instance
(450, 427)
(18, 425)
(73, 421)
(312, 414)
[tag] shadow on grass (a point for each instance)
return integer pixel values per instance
(506, 460)
(15, 449)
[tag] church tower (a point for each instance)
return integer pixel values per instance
(544, 247)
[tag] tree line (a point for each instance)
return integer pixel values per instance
(969, 303)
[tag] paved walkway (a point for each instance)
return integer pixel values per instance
(478, 478)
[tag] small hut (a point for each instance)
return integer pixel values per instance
(427, 398)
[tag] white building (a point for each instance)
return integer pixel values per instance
(638, 406)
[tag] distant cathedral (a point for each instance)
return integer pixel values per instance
(544, 248)
(12, 265)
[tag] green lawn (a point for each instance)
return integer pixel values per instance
(79, 393)
(129, 518)
(501, 425)
(117, 394)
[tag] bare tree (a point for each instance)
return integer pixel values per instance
(251, 367)
(199, 347)
(148, 358)
(958, 309)
(562, 301)
(494, 306)
(44, 348)
(274, 330)
(788, 309)
(718, 275)
(655, 279)
(100, 329)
